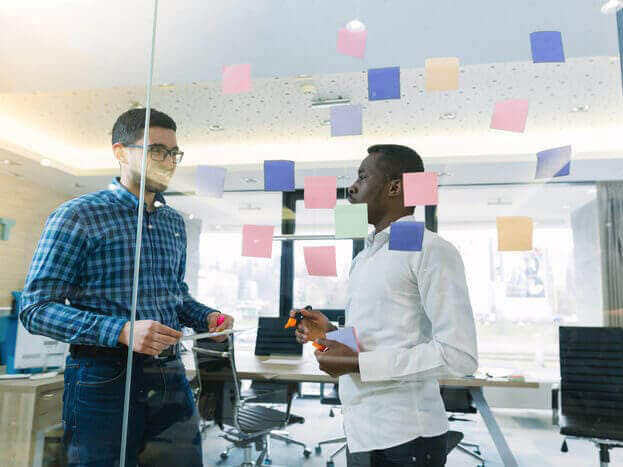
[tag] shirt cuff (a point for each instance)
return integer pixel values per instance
(110, 329)
(375, 365)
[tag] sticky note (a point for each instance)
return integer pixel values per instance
(346, 335)
(420, 189)
(210, 181)
(510, 115)
(547, 47)
(384, 83)
(236, 78)
(278, 175)
(554, 162)
(351, 220)
(320, 260)
(346, 120)
(514, 233)
(320, 192)
(441, 74)
(406, 236)
(257, 240)
(351, 43)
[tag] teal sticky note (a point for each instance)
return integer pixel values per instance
(351, 221)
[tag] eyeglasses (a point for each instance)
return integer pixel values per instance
(158, 152)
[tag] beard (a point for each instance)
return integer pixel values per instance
(155, 182)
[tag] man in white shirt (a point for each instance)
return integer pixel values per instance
(414, 322)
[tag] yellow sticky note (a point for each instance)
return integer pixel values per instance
(515, 233)
(441, 74)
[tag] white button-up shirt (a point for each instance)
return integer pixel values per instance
(414, 323)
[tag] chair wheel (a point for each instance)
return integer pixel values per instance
(224, 455)
(330, 464)
(306, 453)
(564, 447)
(331, 414)
(268, 461)
(318, 450)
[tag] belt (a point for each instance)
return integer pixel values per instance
(170, 353)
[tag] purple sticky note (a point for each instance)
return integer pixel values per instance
(320, 260)
(510, 115)
(320, 192)
(346, 120)
(547, 47)
(406, 236)
(257, 240)
(278, 175)
(420, 189)
(236, 78)
(384, 83)
(351, 43)
(554, 162)
(210, 181)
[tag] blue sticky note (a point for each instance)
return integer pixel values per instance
(278, 175)
(547, 47)
(346, 120)
(384, 83)
(554, 162)
(210, 181)
(406, 236)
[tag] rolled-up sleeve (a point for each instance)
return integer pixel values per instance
(452, 351)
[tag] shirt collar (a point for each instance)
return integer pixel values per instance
(383, 235)
(122, 194)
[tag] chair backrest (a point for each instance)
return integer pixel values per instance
(219, 385)
(591, 373)
(273, 338)
(458, 400)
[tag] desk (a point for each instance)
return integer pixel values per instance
(306, 370)
(27, 409)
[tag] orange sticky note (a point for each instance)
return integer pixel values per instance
(320, 192)
(257, 240)
(515, 233)
(236, 78)
(320, 260)
(510, 115)
(441, 74)
(420, 189)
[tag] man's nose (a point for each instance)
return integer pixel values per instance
(352, 190)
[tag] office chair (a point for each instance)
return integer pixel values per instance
(591, 387)
(332, 399)
(244, 423)
(459, 400)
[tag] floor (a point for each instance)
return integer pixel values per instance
(530, 434)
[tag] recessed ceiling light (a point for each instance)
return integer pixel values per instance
(447, 116)
(580, 108)
(166, 85)
(249, 180)
(355, 26)
(45, 162)
(216, 128)
(326, 122)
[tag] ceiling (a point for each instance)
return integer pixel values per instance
(71, 67)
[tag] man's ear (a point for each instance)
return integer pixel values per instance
(395, 188)
(119, 151)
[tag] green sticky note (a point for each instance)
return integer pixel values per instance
(351, 221)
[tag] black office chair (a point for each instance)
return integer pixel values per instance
(591, 386)
(244, 422)
(459, 400)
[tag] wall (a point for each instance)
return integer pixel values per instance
(29, 204)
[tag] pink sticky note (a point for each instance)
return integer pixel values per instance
(257, 240)
(320, 192)
(510, 115)
(320, 260)
(420, 189)
(351, 43)
(236, 78)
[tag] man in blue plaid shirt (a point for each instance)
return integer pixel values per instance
(79, 290)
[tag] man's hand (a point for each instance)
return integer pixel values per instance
(314, 325)
(150, 337)
(213, 326)
(337, 359)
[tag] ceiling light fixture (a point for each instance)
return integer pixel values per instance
(447, 116)
(249, 180)
(499, 202)
(216, 128)
(355, 26)
(45, 162)
(166, 85)
(321, 103)
(580, 108)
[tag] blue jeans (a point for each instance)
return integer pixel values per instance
(163, 428)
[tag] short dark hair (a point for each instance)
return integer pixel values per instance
(130, 125)
(396, 160)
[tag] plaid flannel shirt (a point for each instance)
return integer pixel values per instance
(79, 286)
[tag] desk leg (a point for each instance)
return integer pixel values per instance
(492, 426)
